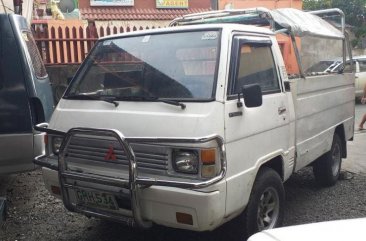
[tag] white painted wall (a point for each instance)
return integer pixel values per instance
(6, 6)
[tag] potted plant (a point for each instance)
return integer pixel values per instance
(39, 12)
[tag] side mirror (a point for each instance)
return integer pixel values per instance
(252, 95)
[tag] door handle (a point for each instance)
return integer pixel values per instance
(281, 110)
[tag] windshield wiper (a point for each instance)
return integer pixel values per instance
(92, 97)
(172, 102)
(153, 98)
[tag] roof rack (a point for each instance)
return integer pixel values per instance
(335, 11)
(257, 16)
(260, 16)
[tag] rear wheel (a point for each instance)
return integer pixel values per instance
(327, 168)
(265, 208)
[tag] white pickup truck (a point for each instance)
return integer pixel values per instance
(194, 125)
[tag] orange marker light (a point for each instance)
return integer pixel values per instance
(208, 156)
(184, 218)
(56, 190)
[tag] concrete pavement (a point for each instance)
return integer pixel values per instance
(356, 160)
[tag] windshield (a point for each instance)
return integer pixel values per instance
(179, 66)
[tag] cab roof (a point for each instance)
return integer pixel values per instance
(228, 27)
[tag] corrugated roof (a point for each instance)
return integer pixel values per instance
(115, 13)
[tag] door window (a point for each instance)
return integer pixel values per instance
(37, 63)
(362, 63)
(255, 65)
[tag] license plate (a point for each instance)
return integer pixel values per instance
(96, 199)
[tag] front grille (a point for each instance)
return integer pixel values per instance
(149, 158)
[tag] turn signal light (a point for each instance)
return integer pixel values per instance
(208, 156)
(184, 218)
(208, 171)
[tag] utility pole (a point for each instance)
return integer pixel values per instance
(215, 4)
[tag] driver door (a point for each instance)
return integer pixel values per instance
(258, 134)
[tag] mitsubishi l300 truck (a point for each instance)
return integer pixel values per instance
(201, 123)
(25, 96)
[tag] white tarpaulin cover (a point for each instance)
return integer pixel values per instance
(305, 24)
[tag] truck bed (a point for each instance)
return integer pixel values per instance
(321, 104)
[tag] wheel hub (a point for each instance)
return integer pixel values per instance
(336, 157)
(268, 209)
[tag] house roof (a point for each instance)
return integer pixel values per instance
(114, 13)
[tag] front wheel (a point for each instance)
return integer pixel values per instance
(327, 168)
(265, 208)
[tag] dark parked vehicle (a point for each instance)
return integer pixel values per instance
(25, 96)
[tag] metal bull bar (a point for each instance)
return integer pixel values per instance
(134, 182)
(131, 184)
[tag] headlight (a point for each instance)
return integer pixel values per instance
(56, 144)
(186, 161)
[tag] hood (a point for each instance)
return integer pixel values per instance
(142, 119)
(340, 230)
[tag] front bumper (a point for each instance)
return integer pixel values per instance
(160, 204)
(152, 200)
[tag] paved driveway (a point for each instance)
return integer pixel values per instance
(356, 161)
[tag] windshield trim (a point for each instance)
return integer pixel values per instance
(82, 69)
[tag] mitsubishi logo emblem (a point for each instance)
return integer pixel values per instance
(110, 154)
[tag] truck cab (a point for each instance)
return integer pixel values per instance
(25, 96)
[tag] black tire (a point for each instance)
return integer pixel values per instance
(267, 189)
(327, 168)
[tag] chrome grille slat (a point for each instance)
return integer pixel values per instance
(140, 164)
(149, 159)
(151, 156)
(93, 151)
(100, 154)
(120, 159)
(93, 158)
(151, 166)
(108, 165)
(95, 154)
